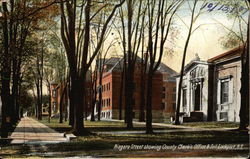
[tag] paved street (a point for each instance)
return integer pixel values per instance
(30, 131)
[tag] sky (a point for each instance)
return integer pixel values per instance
(205, 41)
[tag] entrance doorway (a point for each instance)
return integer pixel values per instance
(197, 97)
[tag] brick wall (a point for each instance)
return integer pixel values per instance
(111, 86)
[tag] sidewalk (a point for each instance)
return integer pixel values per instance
(30, 131)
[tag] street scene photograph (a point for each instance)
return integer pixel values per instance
(124, 78)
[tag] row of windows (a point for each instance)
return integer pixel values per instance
(106, 102)
(106, 115)
(106, 87)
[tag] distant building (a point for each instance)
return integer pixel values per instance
(211, 89)
(60, 94)
(113, 97)
(55, 97)
(163, 101)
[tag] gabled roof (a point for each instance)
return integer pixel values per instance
(165, 69)
(116, 63)
(236, 52)
(194, 62)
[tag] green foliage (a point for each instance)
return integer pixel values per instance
(26, 100)
(237, 34)
(230, 40)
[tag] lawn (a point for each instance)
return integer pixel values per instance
(212, 124)
(98, 143)
(97, 126)
(104, 145)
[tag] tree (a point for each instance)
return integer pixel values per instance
(132, 17)
(190, 31)
(19, 18)
(75, 34)
(160, 22)
(235, 38)
(244, 108)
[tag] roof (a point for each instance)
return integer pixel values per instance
(116, 63)
(193, 62)
(227, 55)
(165, 69)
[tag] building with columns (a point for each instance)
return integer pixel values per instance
(211, 89)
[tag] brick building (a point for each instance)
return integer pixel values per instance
(113, 96)
(168, 91)
(60, 93)
(56, 95)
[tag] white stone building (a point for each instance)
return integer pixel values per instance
(226, 84)
(211, 89)
(194, 101)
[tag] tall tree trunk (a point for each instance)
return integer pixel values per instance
(244, 91)
(14, 89)
(129, 72)
(129, 99)
(142, 93)
(71, 104)
(78, 89)
(38, 101)
(64, 88)
(49, 94)
(5, 76)
(93, 96)
(149, 128)
(99, 107)
(177, 114)
(121, 95)
(41, 85)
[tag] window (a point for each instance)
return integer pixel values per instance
(163, 92)
(54, 93)
(184, 94)
(108, 86)
(162, 105)
(224, 91)
(54, 106)
(163, 95)
(109, 102)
